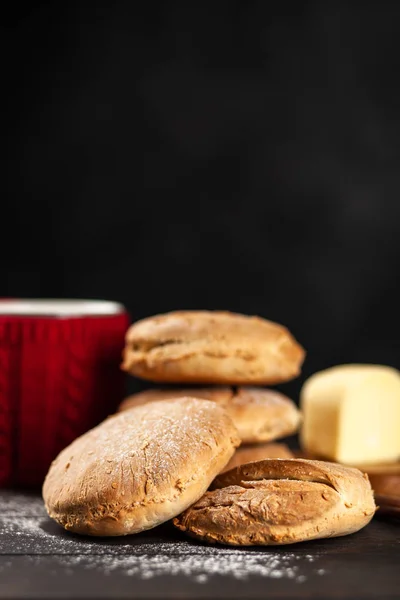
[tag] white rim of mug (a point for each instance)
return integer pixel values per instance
(59, 308)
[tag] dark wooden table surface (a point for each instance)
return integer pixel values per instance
(40, 560)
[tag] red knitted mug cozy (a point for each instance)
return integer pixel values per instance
(59, 376)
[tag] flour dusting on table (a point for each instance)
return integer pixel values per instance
(26, 530)
(198, 566)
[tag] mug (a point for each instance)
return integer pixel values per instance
(59, 376)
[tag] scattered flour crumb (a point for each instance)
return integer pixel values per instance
(35, 535)
(13, 503)
(198, 566)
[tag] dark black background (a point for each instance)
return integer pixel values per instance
(221, 155)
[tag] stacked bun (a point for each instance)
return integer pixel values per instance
(157, 457)
(224, 349)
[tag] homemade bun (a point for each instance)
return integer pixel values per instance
(139, 468)
(260, 415)
(220, 394)
(246, 454)
(211, 347)
(281, 501)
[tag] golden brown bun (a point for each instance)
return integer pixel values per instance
(281, 501)
(260, 415)
(220, 394)
(246, 454)
(211, 347)
(139, 468)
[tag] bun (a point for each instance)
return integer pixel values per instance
(211, 347)
(260, 415)
(246, 454)
(139, 468)
(281, 501)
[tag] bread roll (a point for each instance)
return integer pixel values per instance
(281, 501)
(260, 415)
(218, 393)
(211, 347)
(139, 468)
(246, 454)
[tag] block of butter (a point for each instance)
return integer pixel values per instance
(351, 414)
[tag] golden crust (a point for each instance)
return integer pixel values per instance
(220, 394)
(260, 415)
(281, 501)
(139, 468)
(246, 454)
(263, 415)
(211, 347)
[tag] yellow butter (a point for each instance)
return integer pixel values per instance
(351, 414)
